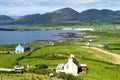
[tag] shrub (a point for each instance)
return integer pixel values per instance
(68, 76)
(43, 71)
(53, 56)
(61, 75)
(71, 77)
(41, 66)
(6, 72)
(31, 69)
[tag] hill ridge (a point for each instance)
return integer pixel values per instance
(69, 14)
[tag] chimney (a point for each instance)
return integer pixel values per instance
(72, 56)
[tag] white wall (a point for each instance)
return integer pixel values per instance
(70, 67)
(19, 49)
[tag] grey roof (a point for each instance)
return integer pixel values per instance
(75, 61)
(24, 45)
(60, 66)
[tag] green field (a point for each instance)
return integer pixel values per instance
(100, 66)
(109, 38)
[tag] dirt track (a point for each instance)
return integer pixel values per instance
(116, 56)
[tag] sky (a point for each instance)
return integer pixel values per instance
(24, 7)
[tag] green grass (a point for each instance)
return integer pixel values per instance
(110, 38)
(7, 47)
(100, 65)
(72, 24)
(26, 76)
(9, 60)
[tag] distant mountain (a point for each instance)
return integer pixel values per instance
(4, 19)
(116, 17)
(94, 15)
(67, 14)
(15, 17)
(61, 15)
(31, 19)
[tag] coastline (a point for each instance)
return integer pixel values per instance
(5, 29)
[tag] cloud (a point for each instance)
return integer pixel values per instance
(44, 2)
(56, 3)
(20, 11)
(20, 2)
(83, 1)
(21, 7)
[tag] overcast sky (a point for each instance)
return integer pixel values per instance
(24, 7)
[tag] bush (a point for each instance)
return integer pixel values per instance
(6, 72)
(68, 76)
(71, 77)
(41, 66)
(43, 71)
(54, 57)
(31, 69)
(61, 75)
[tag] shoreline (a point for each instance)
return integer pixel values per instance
(5, 29)
(34, 28)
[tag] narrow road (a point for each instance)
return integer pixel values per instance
(6, 69)
(116, 56)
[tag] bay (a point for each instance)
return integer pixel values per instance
(15, 37)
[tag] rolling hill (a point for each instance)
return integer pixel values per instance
(67, 14)
(103, 64)
(99, 64)
(4, 19)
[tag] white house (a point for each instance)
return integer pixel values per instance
(88, 44)
(51, 44)
(21, 48)
(71, 66)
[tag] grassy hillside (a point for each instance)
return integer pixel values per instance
(100, 66)
(109, 38)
